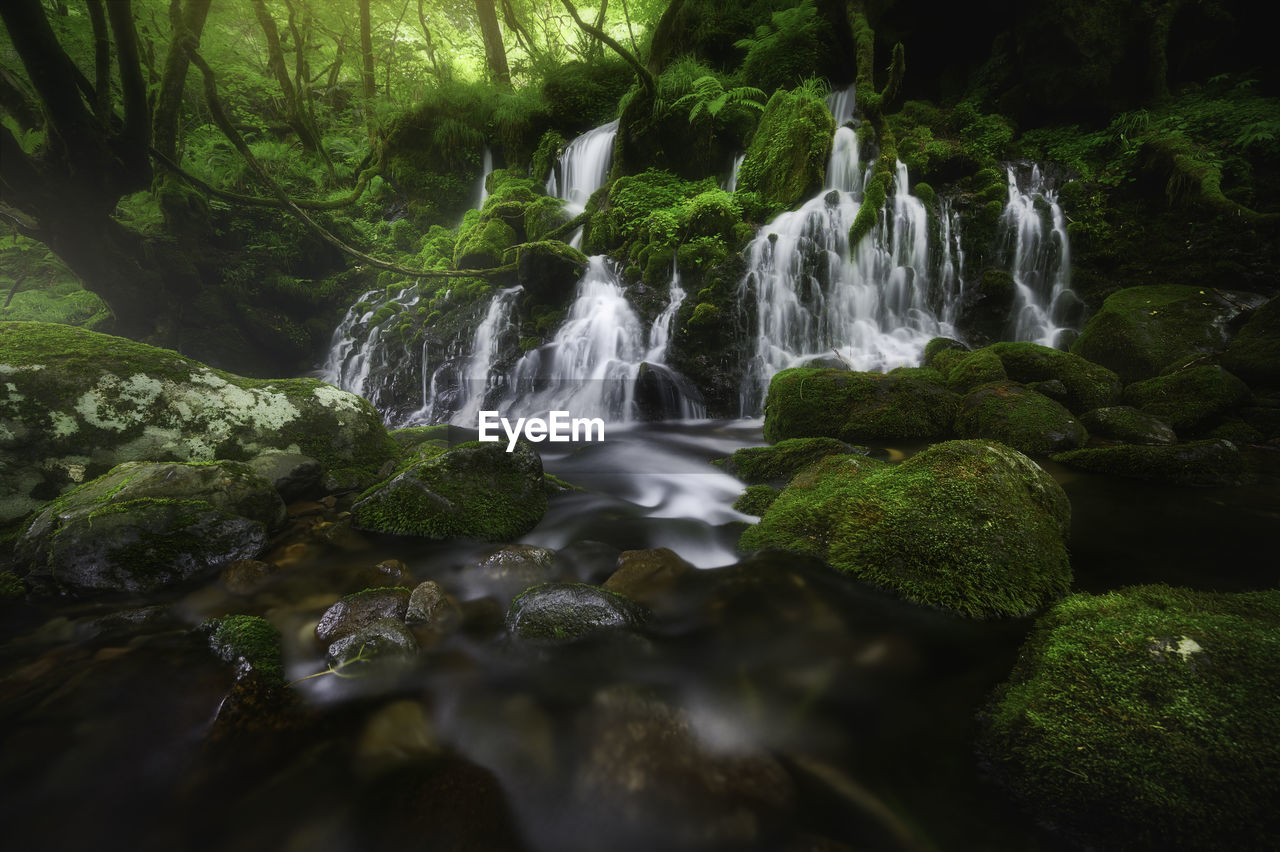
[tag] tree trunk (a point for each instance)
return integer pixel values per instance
(188, 23)
(494, 51)
(280, 70)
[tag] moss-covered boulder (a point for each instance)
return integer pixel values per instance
(549, 271)
(1188, 399)
(563, 612)
(484, 245)
(1020, 418)
(778, 463)
(1214, 462)
(787, 159)
(969, 526)
(145, 526)
(972, 369)
(73, 404)
(1139, 331)
(1128, 424)
(1148, 714)
(756, 499)
(248, 642)
(476, 490)
(807, 403)
(1088, 385)
(1254, 353)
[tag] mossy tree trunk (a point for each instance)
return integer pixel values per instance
(873, 105)
(495, 51)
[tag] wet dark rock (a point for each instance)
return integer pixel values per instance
(660, 392)
(650, 576)
(249, 642)
(1215, 462)
(563, 612)
(388, 572)
(649, 774)
(1020, 418)
(549, 271)
(383, 638)
(1128, 424)
(356, 611)
(145, 526)
(1254, 353)
(430, 605)
(246, 576)
(510, 569)
(294, 475)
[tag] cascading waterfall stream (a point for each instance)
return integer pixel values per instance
(486, 168)
(582, 169)
(1039, 257)
(872, 306)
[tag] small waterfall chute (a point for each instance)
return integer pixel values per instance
(1039, 256)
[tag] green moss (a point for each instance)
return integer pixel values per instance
(1190, 398)
(1020, 418)
(807, 403)
(484, 246)
(247, 641)
(11, 586)
(787, 159)
(780, 462)
(868, 213)
(1199, 463)
(938, 346)
(1141, 330)
(1088, 385)
(1254, 353)
(545, 155)
(1128, 424)
(967, 371)
(1147, 713)
(969, 526)
(756, 499)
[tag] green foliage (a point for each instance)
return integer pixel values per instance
(790, 48)
(709, 96)
(248, 641)
(787, 158)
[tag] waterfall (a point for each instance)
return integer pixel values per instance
(818, 300)
(660, 333)
(583, 167)
(486, 167)
(366, 358)
(842, 105)
(1039, 256)
(731, 185)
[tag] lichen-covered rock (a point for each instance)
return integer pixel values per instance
(970, 526)
(1147, 714)
(853, 406)
(563, 612)
(476, 490)
(385, 638)
(783, 460)
(1088, 385)
(249, 642)
(1207, 463)
(787, 158)
(1020, 418)
(1254, 353)
(356, 611)
(144, 526)
(1141, 330)
(74, 404)
(1128, 424)
(1188, 399)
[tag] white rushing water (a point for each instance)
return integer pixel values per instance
(486, 168)
(1039, 255)
(583, 167)
(817, 299)
(731, 183)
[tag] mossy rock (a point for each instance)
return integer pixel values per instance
(1088, 385)
(249, 642)
(563, 612)
(475, 491)
(939, 345)
(74, 404)
(810, 403)
(973, 369)
(145, 526)
(1254, 353)
(778, 463)
(1214, 462)
(787, 159)
(1147, 714)
(1128, 424)
(1189, 399)
(969, 526)
(549, 271)
(1020, 418)
(484, 245)
(1139, 331)
(756, 499)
